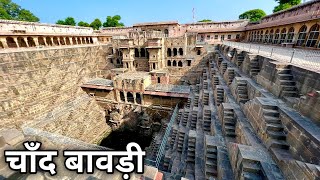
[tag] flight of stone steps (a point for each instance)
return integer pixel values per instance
(232, 128)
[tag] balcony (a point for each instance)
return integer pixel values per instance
(153, 44)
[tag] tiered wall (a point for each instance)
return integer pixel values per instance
(34, 84)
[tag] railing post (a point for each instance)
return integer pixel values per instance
(292, 55)
(271, 52)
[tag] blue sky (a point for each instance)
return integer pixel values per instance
(135, 11)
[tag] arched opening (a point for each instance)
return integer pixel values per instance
(130, 97)
(159, 80)
(166, 32)
(199, 52)
(136, 52)
(189, 62)
(138, 98)
(21, 42)
(74, 41)
(290, 35)
(169, 52)
(174, 63)
(180, 64)
(68, 41)
(258, 36)
(11, 43)
(55, 41)
(169, 63)
(302, 35)
(271, 36)
(41, 41)
(122, 96)
(118, 61)
(31, 42)
(147, 53)
(143, 52)
(88, 40)
(283, 35)
(175, 52)
(154, 65)
(277, 36)
(61, 41)
(261, 36)
(91, 40)
(181, 51)
(313, 36)
(266, 36)
(48, 40)
(127, 65)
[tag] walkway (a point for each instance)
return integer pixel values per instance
(306, 58)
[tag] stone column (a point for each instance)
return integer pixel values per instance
(4, 42)
(16, 41)
(70, 40)
(118, 99)
(36, 41)
(134, 98)
(141, 96)
(65, 40)
(26, 40)
(125, 96)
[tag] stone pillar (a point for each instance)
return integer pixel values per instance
(65, 40)
(134, 98)
(36, 41)
(118, 99)
(26, 40)
(16, 41)
(141, 96)
(4, 42)
(125, 96)
(70, 40)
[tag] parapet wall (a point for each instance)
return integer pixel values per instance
(10, 27)
(34, 84)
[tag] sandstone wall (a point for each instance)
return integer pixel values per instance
(38, 84)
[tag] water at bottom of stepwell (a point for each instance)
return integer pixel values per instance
(118, 140)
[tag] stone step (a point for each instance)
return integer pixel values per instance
(285, 76)
(288, 88)
(230, 123)
(271, 119)
(211, 171)
(271, 112)
(284, 71)
(253, 176)
(211, 156)
(275, 127)
(287, 82)
(251, 167)
(231, 128)
(274, 143)
(231, 134)
(289, 93)
(254, 70)
(277, 135)
(211, 162)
